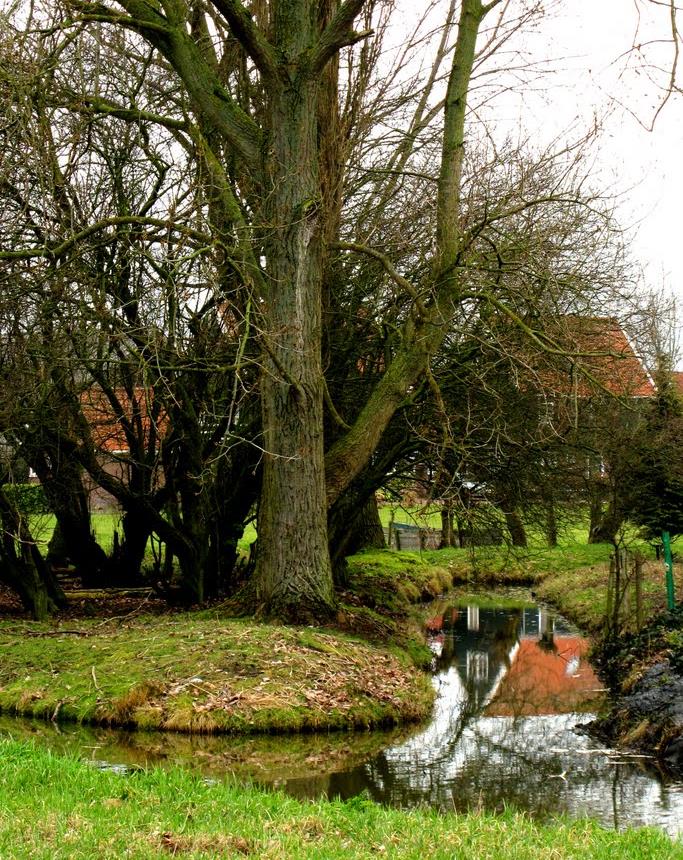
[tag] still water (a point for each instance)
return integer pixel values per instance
(512, 683)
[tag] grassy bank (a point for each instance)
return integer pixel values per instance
(55, 807)
(582, 596)
(205, 672)
(202, 672)
(393, 576)
(573, 576)
(643, 667)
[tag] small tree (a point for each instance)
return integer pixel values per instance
(654, 474)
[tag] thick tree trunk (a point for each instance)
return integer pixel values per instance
(127, 559)
(365, 531)
(293, 573)
(448, 537)
(515, 528)
(597, 498)
(66, 496)
(605, 524)
(606, 516)
(353, 521)
(234, 494)
(193, 553)
(22, 567)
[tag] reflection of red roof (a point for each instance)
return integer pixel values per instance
(546, 682)
(678, 381)
(600, 355)
(106, 420)
(438, 622)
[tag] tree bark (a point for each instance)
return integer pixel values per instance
(604, 527)
(22, 567)
(66, 496)
(448, 537)
(515, 528)
(365, 531)
(127, 560)
(293, 573)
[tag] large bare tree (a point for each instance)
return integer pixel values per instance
(299, 130)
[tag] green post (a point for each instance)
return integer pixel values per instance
(668, 561)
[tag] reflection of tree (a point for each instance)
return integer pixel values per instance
(464, 758)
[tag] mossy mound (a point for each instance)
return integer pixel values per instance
(205, 674)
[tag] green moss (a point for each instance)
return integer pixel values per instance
(392, 580)
(206, 674)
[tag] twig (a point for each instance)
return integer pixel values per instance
(123, 617)
(41, 634)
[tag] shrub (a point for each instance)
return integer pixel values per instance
(29, 499)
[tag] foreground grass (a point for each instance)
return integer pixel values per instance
(54, 807)
(204, 673)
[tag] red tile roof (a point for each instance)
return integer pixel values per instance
(599, 356)
(106, 422)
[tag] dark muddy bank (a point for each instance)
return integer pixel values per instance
(645, 674)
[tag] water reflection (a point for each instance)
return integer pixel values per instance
(512, 684)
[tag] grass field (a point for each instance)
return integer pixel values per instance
(57, 808)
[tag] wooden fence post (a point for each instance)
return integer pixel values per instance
(638, 573)
(611, 602)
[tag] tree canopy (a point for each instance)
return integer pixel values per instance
(263, 240)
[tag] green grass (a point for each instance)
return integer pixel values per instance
(424, 516)
(392, 580)
(248, 537)
(103, 524)
(54, 807)
(394, 573)
(204, 673)
(581, 594)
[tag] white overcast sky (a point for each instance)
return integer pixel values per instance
(602, 73)
(589, 43)
(594, 70)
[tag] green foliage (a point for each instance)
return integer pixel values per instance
(29, 499)
(653, 474)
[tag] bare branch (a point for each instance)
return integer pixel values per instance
(337, 34)
(89, 105)
(249, 36)
(402, 282)
(57, 251)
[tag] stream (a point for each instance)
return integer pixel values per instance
(513, 683)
